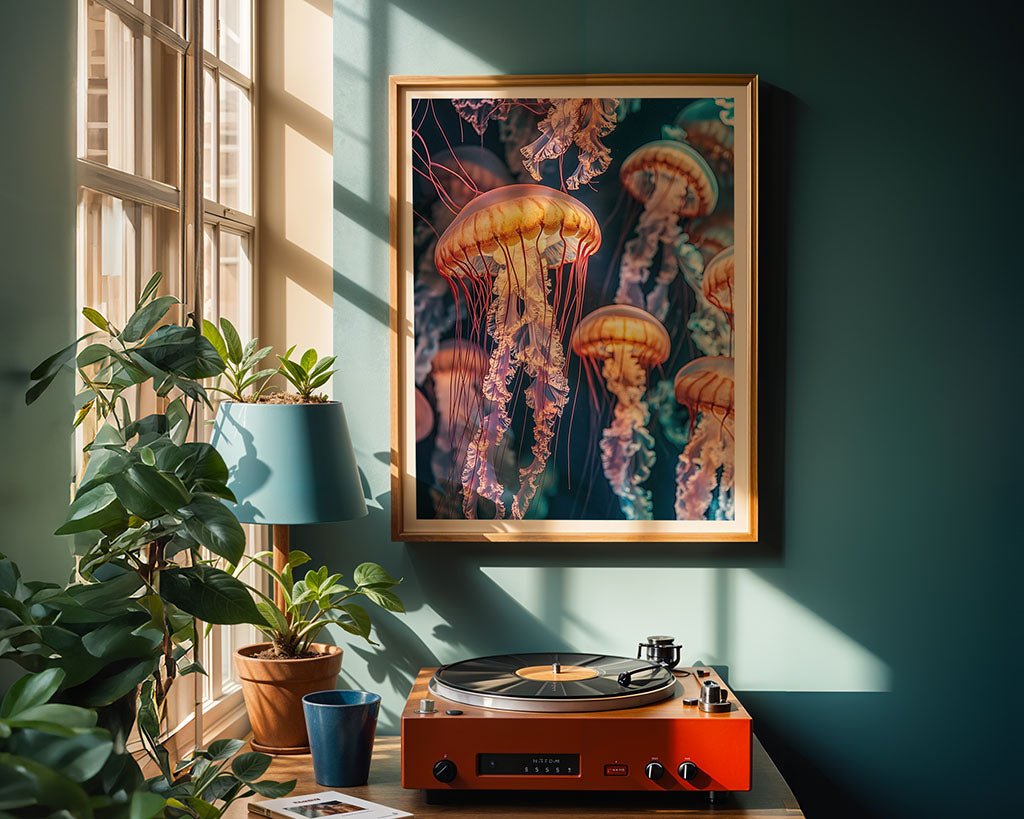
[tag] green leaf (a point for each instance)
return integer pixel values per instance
(30, 691)
(232, 340)
(360, 619)
(308, 359)
(167, 490)
(320, 380)
(212, 334)
(273, 790)
(297, 557)
(210, 594)
(96, 318)
(182, 351)
(98, 508)
(43, 785)
(215, 527)
(54, 718)
(46, 371)
(251, 766)
(149, 289)
(146, 318)
(92, 354)
(146, 805)
(293, 372)
(79, 757)
(322, 364)
(272, 614)
(372, 574)
(224, 749)
(383, 598)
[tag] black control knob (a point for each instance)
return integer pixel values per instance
(688, 771)
(654, 771)
(445, 770)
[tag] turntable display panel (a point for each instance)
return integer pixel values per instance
(554, 682)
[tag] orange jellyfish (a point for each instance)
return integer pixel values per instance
(457, 372)
(706, 468)
(707, 124)
(518, 256)
(719, 280)
(626, 341)
(673, 182)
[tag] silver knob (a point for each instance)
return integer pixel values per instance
(713, 698)
(556, 668)
(426, 706)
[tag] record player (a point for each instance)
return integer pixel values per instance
(570, 721)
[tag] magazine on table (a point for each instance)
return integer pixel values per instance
(327, 803)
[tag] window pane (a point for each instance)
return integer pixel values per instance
(236, 34)
(131, 98)
(210, 26)
(122, 243)
(211, 310)
(235, 275)
(235, 147)
(166, 11)
(209, 135)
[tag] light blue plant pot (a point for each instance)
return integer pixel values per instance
(289, 463)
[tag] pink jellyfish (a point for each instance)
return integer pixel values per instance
(458, 176)
(424, 416)
(626, 341)
(672, 181)
(565, 123)
(457, 373)
(708, 463)
(497, 255)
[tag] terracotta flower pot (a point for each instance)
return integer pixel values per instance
(273, 691)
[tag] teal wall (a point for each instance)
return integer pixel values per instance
(884, 589)
(37, 282)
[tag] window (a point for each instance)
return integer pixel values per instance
(166, 170)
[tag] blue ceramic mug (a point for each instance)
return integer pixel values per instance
(341, 727)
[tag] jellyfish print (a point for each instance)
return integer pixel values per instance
(624, 342)
(706, 470)
(458, 176)
(673, 182)
(719, 280)
(424, 417)
(498, 255)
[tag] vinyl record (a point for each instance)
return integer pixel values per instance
(553, 682)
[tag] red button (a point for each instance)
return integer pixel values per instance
(616, 769)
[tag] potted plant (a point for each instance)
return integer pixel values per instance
(156, 549)
(278, 673)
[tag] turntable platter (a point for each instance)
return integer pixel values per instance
(553, 682)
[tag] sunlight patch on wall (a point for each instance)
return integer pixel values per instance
(307, 37)
(307, 210)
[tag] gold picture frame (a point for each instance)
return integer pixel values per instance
(446, 134)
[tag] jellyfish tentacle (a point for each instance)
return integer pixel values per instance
(708, 455)
(627, 446)
(583, 122)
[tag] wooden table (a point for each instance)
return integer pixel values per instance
(769, 796)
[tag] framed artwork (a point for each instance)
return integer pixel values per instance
(573, 294)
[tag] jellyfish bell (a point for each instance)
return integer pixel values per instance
(708, 126)
(497, 255)
(712, 234)
(706, 470)
(621, 327)
(673, 183)
(719, 281)
(671, 161)
(626, 342)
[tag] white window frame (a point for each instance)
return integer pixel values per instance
(218, 707)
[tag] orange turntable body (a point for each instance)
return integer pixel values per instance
(661, 746)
